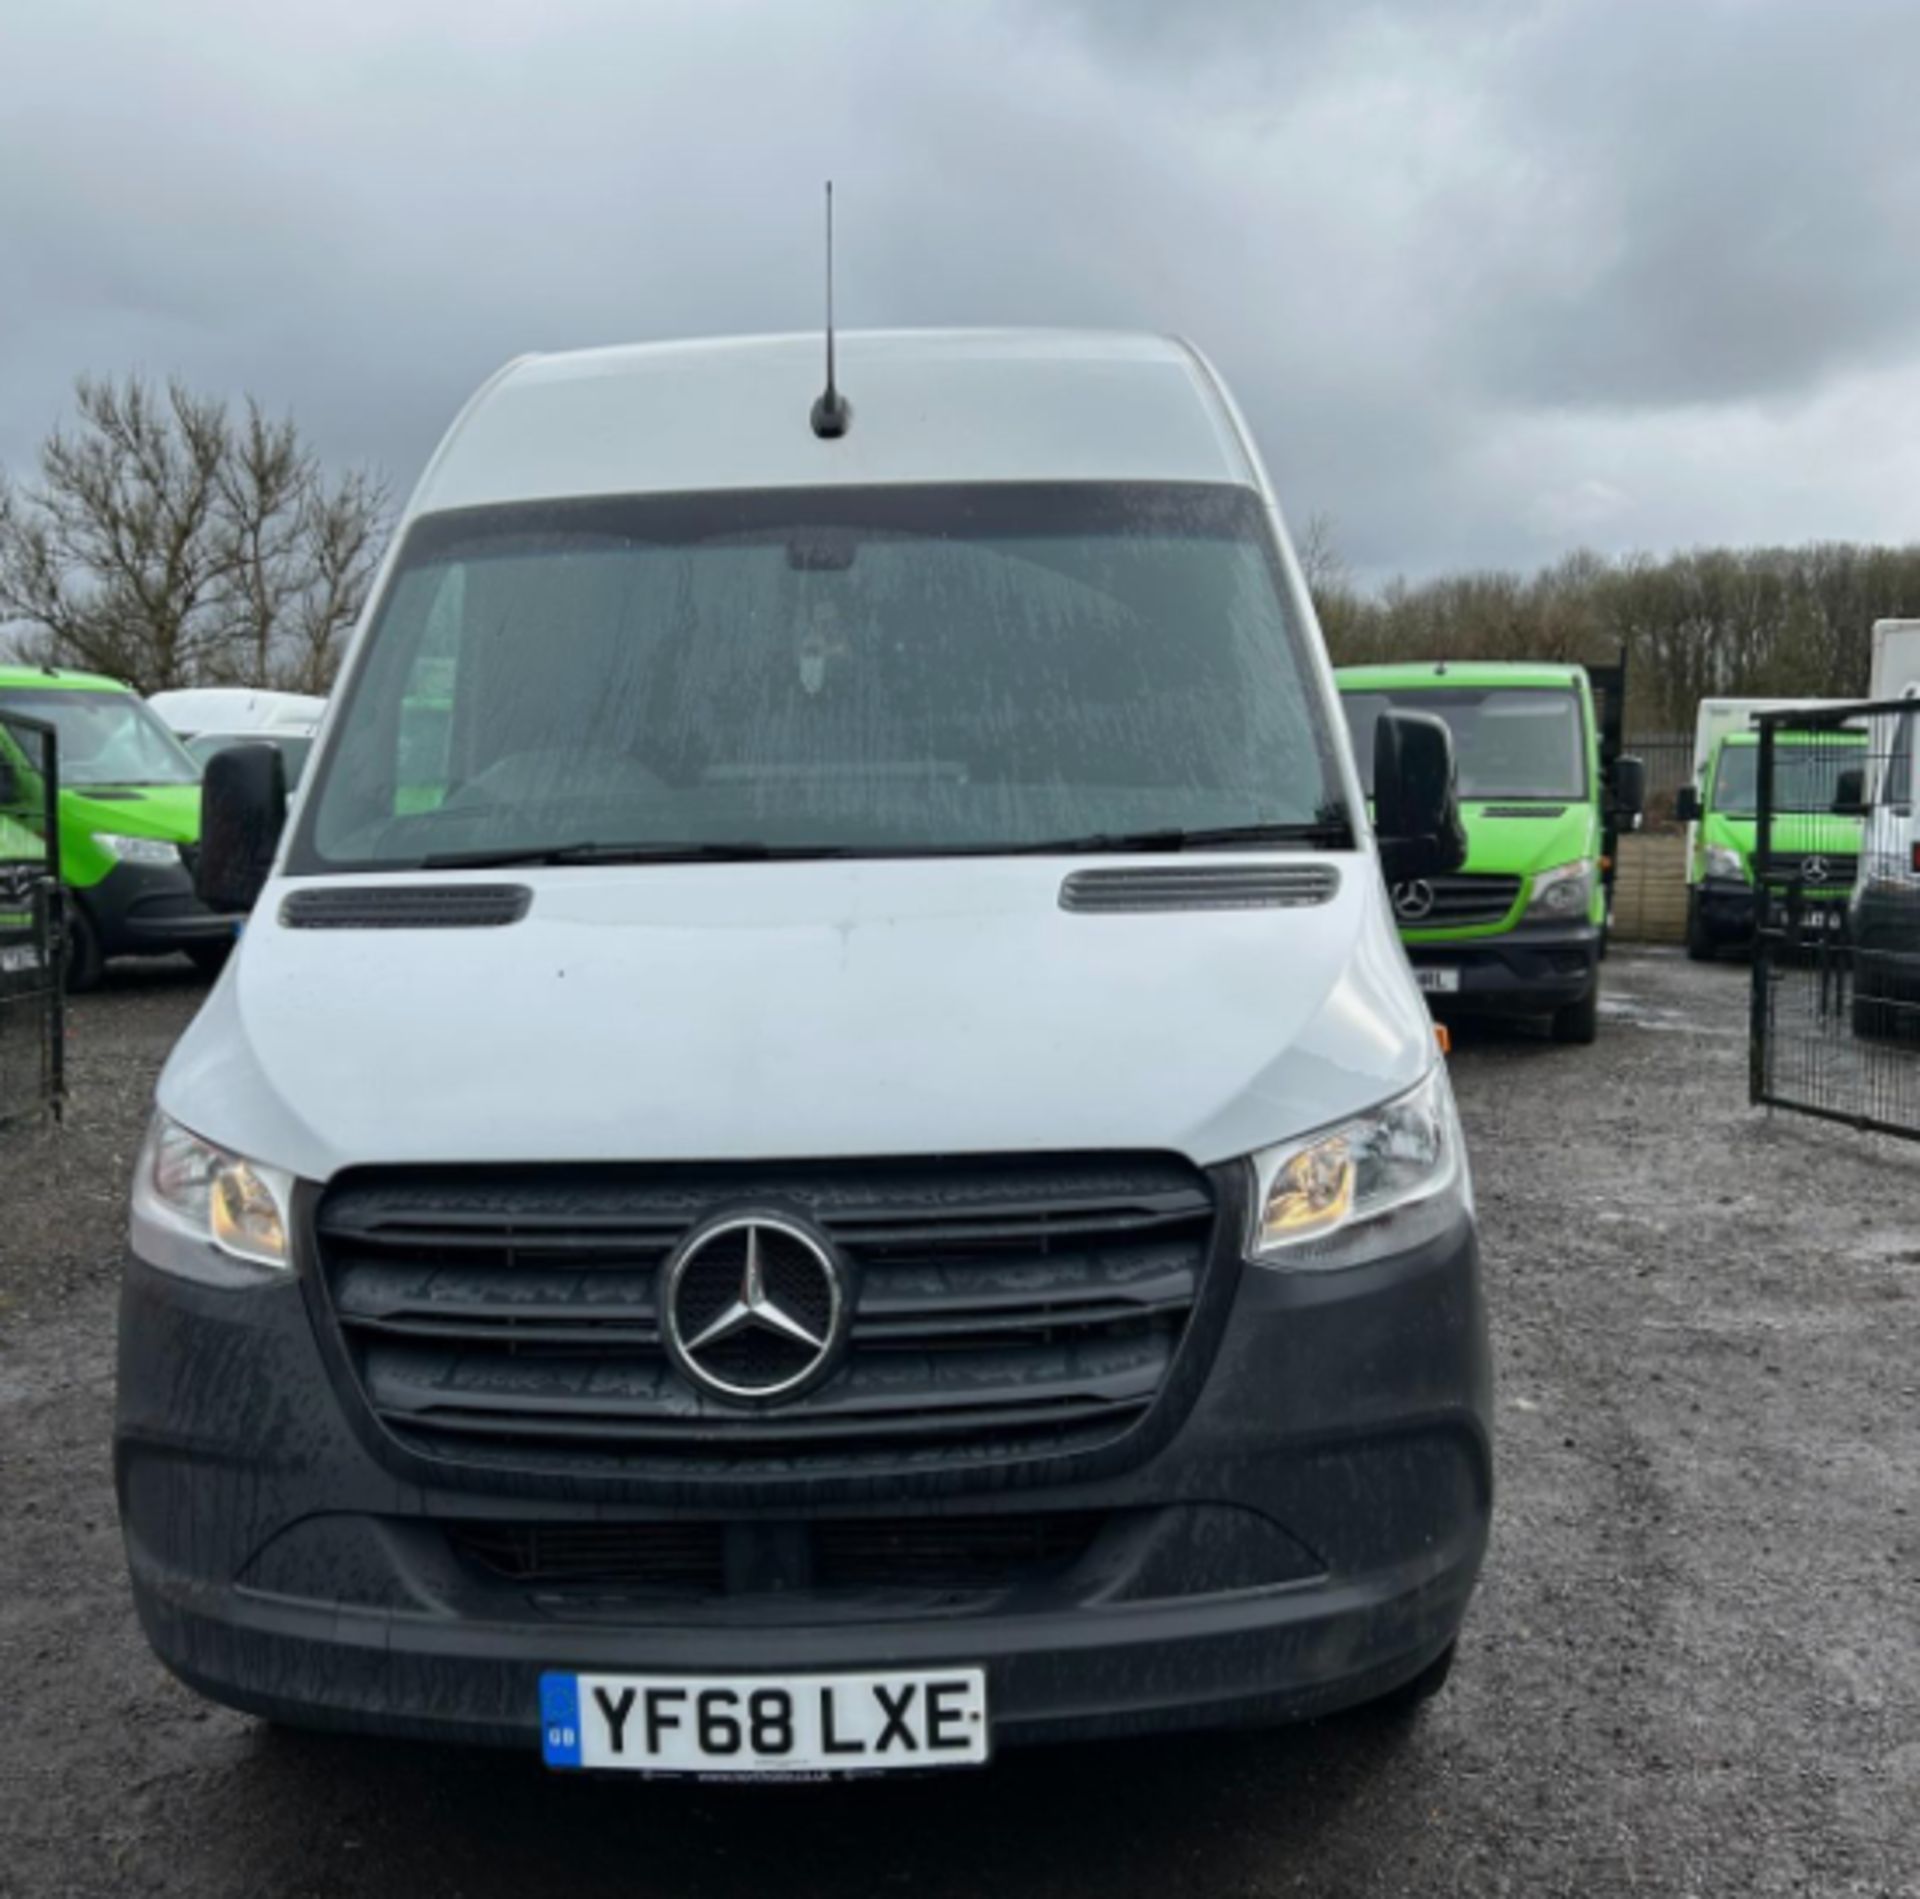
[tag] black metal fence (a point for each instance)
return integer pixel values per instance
(1668, 757)
(32, 942)
(1836, 967)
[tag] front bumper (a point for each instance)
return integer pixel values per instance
(1884, 928)
(1308, 1538)
(150, 910)
(1531, 970)
(1725, 909)
(1884, 920)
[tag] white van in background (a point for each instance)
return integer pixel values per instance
(1884, 912)
(210, 718)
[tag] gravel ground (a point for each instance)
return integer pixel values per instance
(1694, 1665)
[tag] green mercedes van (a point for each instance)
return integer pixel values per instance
(1812, 847)
(1518, 929)
(129, 820)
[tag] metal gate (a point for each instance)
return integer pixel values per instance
(32, 939)
(1836, 967)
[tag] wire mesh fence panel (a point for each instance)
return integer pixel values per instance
(32, 990)
(1836, 968)
(1669, 761)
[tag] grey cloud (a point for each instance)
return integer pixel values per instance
(1742, 194)
(1441, 251)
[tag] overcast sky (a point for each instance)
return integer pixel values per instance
(1492, 280)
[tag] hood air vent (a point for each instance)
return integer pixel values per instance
(1201, 887)
(409, 907)
(1523, 811)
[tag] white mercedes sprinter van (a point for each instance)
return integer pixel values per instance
(819, 1154)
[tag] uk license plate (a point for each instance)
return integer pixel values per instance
(765, 1726)
(1442, 982)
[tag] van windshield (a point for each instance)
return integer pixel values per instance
(896, 671)
(106, 738)
(1508, 741)
(293, 749)
(1805, 777)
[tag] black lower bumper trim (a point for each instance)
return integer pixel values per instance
(1528, 971)
(1725, 910)
(150, 910)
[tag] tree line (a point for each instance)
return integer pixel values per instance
(1774, 622)
(168, 539)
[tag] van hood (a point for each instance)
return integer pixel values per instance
(1506, 837)
(168, 812)
(1803, 833)
(783, 1011)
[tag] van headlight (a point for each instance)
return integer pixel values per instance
(197, 1208)
(1565, 891)
(1724, 861)
(138, 850)
(1376, 1185)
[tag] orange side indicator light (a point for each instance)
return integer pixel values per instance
(1444, 1037)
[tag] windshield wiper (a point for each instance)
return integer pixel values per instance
(1320, 835)
(742, 851)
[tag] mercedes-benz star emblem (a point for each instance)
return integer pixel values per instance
(1815, 870)
(754, 1307)
(1412, 901)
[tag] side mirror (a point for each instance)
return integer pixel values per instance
(1629, 789)
(243, 805)
(1416, 811)
(1850, 793)
(1686, 805)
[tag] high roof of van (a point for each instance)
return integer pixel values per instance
(193, 709)
(1473, 674)
(927, 406)
(55, 679)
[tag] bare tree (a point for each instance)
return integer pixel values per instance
(259, 535)
(343, 530)
(109, 562)
(300, 550)
(168, 545)
(1321, 565)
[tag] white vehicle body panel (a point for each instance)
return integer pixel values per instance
(946, 406)
(1891, 833)
(1896, 659)
(778, 1011)
(1892, 830)
(197, 709)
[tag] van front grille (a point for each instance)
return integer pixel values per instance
(1814, 870)
(681, 1559)
(1001, 1308)
(1459, 900)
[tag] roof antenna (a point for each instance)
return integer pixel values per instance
(831, 411)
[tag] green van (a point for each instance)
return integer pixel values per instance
(1518, 929)
(129, 820)
(1810, 847)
